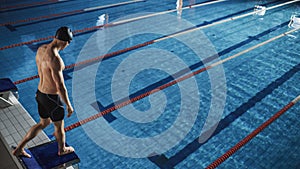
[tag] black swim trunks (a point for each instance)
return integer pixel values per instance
(50, 105)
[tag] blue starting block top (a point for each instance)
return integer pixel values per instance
(7, 85)
(45, 156)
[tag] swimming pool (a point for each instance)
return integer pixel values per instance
(242, 92)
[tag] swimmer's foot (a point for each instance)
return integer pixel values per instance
(20, 153)
(67, 150)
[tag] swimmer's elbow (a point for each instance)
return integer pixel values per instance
(61, 88)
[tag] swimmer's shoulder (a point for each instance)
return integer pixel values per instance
(46, 50)
(43, 47)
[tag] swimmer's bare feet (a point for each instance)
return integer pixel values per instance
(20, 153)
(67, 150)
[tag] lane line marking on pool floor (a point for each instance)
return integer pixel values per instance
(107, 25)
(135, 47)
(131, 20)
(134, 99)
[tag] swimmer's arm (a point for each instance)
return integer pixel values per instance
(58, 78)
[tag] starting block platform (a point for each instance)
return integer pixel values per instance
(45, 156)
(7, 86)
(15, 121)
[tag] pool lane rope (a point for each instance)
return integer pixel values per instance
(92, 60)
(151, 42)
(69, 13)
(132, 100)
(14, 7)
(249, 137)
(106, 25)
(147, 16)
(61, 14)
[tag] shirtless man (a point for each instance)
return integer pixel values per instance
(51, 89)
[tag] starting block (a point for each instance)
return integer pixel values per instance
(6, 87)
(294, 22)
(260, 10)
(45, 156)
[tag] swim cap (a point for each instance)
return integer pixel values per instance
(64, 33)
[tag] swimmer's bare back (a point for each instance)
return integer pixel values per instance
(48, 62)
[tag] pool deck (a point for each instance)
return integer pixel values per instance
(15, 121)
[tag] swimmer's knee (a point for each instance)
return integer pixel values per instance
(59, 125)
(43, 125)
(44, 122)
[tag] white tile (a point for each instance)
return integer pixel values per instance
(22, 132)
(16, 114)
(11, 130)
(25, 124)
(14, 121)
(2, 126)
(20, 120)
(26, 117)
(45, 141)
(7, 123)
(36, 140)
(12, 108)
(30, 121)
(30, 144)
(3, 116)
(16, 137)
(27, 129)
(4, 132)
(9, 140)
(43, 136)
(12, 144)
(18, 126)
(9, 115)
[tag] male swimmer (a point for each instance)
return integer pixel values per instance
(51, 90)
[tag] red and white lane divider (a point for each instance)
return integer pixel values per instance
(108, 25)
(124, 103)
(146, 16)
(29, 5)
(68, 13)
(158, 40)
(244, 141)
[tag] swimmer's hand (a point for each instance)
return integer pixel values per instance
(70, 110)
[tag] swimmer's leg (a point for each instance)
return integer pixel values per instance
(34, 131)
(61, 138)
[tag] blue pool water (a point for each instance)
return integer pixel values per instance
(162, 130)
